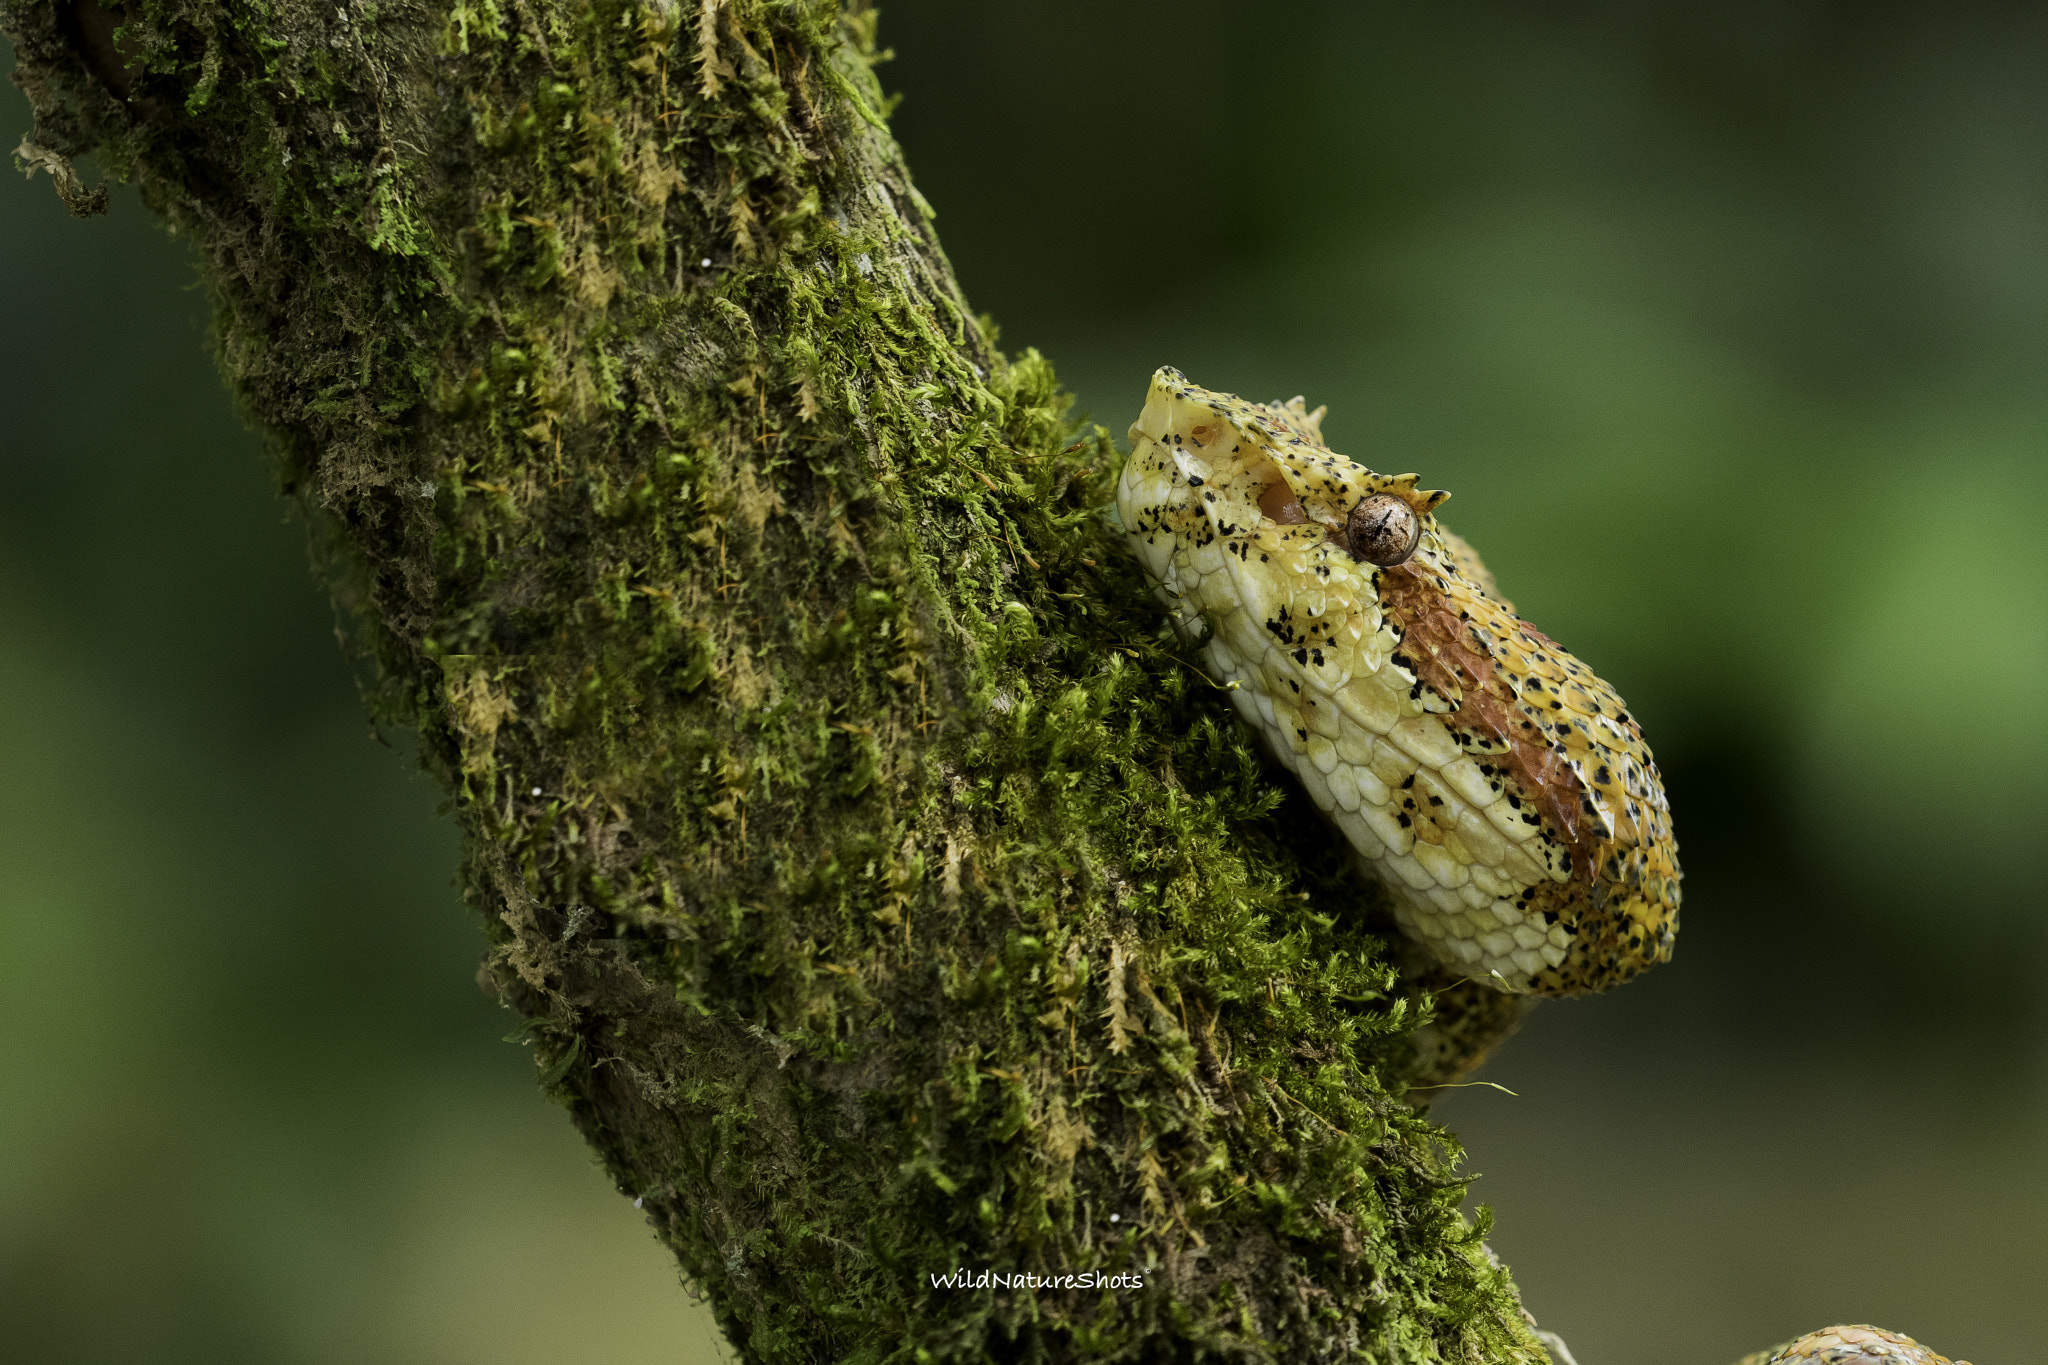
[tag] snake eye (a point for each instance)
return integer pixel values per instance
(1383, 530)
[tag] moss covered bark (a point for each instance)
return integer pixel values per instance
(885, 895)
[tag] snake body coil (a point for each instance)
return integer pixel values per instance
(1499, 789)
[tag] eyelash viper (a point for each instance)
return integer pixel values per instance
(1850, 1346)
(1497, 787)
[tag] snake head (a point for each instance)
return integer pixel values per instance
(1497, 787)
(1235, 464)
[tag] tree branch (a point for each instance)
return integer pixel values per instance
(886, 896)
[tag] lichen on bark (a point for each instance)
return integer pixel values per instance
(885, 892)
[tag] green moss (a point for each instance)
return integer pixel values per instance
(888, 893)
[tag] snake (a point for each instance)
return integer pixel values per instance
(1497, 788)
(1858, 1345)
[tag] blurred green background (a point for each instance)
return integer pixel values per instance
(1728, 328)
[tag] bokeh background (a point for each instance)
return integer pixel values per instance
(1726, 324)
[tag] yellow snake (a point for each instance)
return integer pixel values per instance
(1850, 1346)
(1500, 790)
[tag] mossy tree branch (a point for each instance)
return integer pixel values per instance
(885, 895)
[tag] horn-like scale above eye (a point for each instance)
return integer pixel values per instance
(1383, 530)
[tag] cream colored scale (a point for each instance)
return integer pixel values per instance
(1239, 512)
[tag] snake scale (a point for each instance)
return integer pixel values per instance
(1498, 789)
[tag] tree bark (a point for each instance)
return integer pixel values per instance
(887, 896)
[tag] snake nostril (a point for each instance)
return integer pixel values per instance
(1383, 530)
(1278, 503)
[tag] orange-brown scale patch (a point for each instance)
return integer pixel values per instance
(1442, 651)
(1597, 797)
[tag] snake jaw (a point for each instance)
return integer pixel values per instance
(1497, 788)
